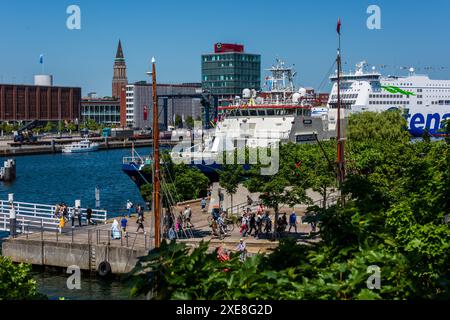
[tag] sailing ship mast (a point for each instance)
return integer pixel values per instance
(340, 138)
(156, 201)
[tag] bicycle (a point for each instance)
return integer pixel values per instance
(229, 225)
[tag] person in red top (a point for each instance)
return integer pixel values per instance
(222, 255)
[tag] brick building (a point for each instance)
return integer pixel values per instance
(120, 73)
(32, 102)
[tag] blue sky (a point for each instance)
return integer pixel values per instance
(414, 33)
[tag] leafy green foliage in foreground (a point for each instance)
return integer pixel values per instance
(16, 282)
(399, 195)
(179, 183)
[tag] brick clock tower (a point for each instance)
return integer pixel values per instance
(120, 73)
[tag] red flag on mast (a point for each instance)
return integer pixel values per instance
(338, 28)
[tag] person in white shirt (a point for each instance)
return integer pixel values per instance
(129, 206)
(241, 248)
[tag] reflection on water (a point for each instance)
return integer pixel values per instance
(53, 283)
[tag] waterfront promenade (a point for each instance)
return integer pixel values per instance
(8, 148)
(89, 246)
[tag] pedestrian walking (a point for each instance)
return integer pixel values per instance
(65, 212)
(61, 225)
(293, 221)
(167, 222)
(244, 225)
(258, 225)
(79, 215)
(252, 224)
(268, 223)
(241, 248)
(89, 216)
(129, 207)
(140, 211)
(123, 224)
(72, 216)
(203, 204)
(249, 200)
(115, 233)
(140, 222)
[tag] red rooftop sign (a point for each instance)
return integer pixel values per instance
(228, 47)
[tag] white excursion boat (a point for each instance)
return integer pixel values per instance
(81, 146)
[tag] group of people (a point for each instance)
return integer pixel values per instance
(224, 254)
(260, 222)
(63, 213)
(218, 223)
(130, 206)
(174, 225)
(116, 232)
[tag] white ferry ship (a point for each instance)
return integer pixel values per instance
(426, 102)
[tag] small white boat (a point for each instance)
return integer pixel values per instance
(81, 146)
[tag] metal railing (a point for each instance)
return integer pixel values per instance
(40, 215)
(126, 239)
(237, 208)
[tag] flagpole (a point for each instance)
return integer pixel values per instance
(340, 140)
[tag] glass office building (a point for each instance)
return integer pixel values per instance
(229, 70)
(101, 110)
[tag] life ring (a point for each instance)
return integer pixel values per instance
(104, 269)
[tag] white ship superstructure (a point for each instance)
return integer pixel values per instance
(425, 101)
(278, 114)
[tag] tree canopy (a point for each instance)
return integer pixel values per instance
(16, 282)
(398, 194)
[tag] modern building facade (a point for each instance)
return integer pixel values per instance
(120, 73)
(229, 70)
(173, 99)
(36, 102)
(102, 110)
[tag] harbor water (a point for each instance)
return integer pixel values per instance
(53, 284)
(55, 178)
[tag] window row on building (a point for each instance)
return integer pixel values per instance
(232, 57)
(226, 77)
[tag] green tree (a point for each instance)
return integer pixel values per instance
(190, 122)
(16, 283)
(394, 219)
(178, 121)
(445, 129)
(229, 178)
(49, 127)
(90, 124)
(179, 182)
(7, 128)
(71, 126)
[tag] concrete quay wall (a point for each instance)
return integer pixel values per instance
(64, 254)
